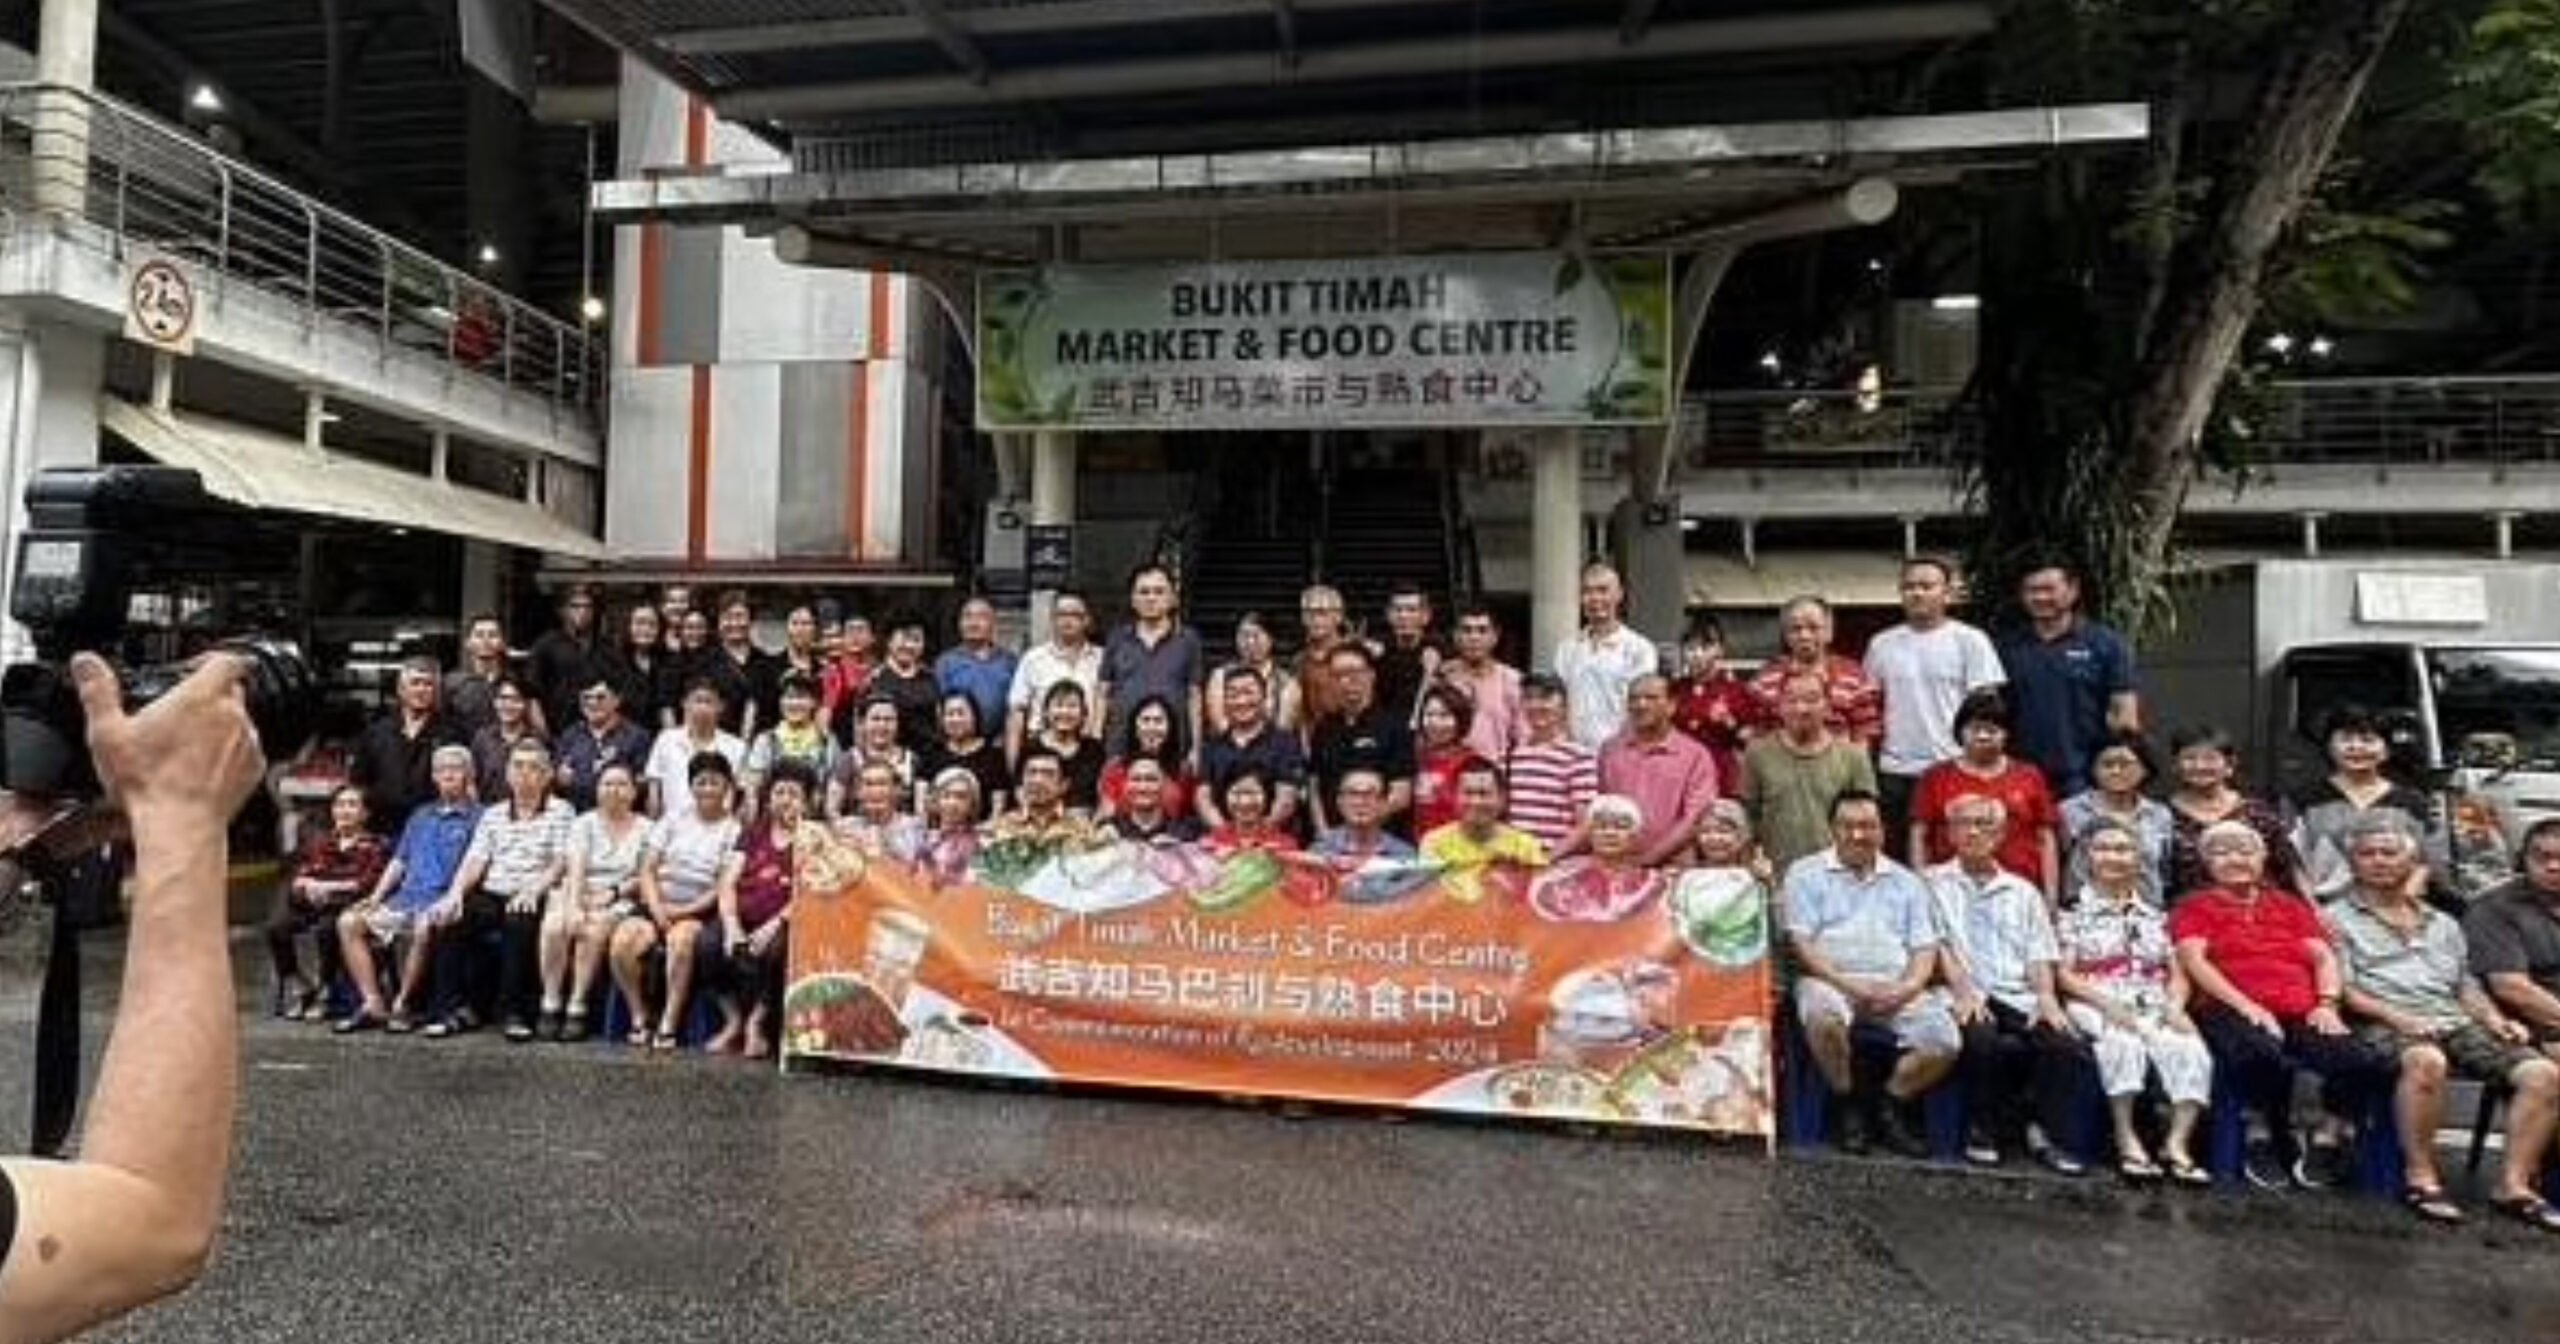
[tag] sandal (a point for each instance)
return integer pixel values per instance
(2184, 1171)
(2531, 1210)
(2137, 1168)
(362, 1019)
(662, 1041)
(2429, 1203)
(638, 1038)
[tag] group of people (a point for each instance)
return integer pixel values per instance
(1976, 857)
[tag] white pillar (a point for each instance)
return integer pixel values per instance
(315, 420)
(1053, 503)
(2311, 535)
(1555, 542)
(66, 56)
(2504, 520)
(50, 374)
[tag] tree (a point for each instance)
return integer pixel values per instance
(2122, 294)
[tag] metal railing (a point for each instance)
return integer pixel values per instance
(2388, 420)
(147, 188)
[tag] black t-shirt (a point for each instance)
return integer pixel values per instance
(1378, 739)
(2512, 931)
(740, 682)
(560, 665)
(1401, 673)
(919, 700)
(395, 769)
(987, 764)
(1083, 773)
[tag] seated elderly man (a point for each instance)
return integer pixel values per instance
(1998, 960)
(1866, 945)
(2409, 991)
(1360, 805)
(2514, 934)
(2266, 996)
(432, 844)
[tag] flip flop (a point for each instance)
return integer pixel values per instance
(2429, 1203)
(2531, 1210)
(663, 1041)
(2137, 1169)
(2185, 1172)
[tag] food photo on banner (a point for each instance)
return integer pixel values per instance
(1576, 992)
(1508, 338)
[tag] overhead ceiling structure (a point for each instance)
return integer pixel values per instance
(947, 134)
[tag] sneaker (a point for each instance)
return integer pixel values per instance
(1894, 1130)
(2264, 1167)
(573, 1028)
(2321, 1166)
(2062, 1163)
(1980, 1148)
(548, 1025)
(441, 1028)
(519, 1031)
(1852, 1126)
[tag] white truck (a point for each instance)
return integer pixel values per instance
(2461, 657)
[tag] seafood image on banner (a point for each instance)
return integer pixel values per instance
(1578, 992)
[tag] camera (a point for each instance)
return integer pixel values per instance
(95, 538)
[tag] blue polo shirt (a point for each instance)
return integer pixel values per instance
(430, 853)
(2060, 689)
(984, 678)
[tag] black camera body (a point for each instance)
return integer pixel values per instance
(95, 536)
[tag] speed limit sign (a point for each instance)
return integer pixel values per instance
(160, 306)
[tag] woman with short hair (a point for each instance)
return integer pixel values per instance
(602, 886)
(2127, 993)
(756, 894)
(2205, 763)
(2118, 796)
(679, 898)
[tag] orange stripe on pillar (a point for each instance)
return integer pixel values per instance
(697, 523)
(857, 466)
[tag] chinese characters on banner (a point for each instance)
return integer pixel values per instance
(1515, 338)
(1633, 997)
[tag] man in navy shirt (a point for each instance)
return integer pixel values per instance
(2070, 678)
(977, 667)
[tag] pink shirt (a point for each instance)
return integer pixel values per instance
(1673, 780)
(1495, 697)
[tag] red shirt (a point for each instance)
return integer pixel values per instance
(1177, 788)
(2259, 947)
(1857, 703)
(1435, 787)
(1715, 711)
(2020, 787)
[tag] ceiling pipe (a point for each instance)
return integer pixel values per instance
(1840, 29)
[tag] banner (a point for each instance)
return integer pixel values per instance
(1484, 339)
(1578, 993)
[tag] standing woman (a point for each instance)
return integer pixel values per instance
(755, 912)
(2206, 763)
(875, 742)
(800, 653)
(602, 888)
(2119, 795)
(512, 723)
(966, 747)
(679, 899)
(1441, 752)
(1255, 651)
(1711, 704)
(1984, 725)
(1155, 734)
(1063, 712)
(645, 673)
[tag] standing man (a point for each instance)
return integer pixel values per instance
(977, 666)
(1251, 740)
(1668, 774)
(1600, 664)
(669, 778)
(2070, 677)
(1411, 655)
(469, 688)
(1491, 687)
(1805, 631)
(565, 659)
(1553, 777)
(393, 760)
(599, 738)
(1789, 777)
(1320, 614)
(1154, 654)
(1924, 667)
(1362, 735)
(1069, 655)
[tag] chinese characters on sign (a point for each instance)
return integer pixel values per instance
(1498, 338)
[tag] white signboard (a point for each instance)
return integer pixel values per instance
(160, 305)
(1516, 338)
(2422, 599)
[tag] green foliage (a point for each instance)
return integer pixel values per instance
(2350, 267)
(2505, 86)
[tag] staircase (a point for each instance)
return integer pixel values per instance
(1252, 555)
(1385, 528)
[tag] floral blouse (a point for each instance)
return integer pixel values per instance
(2122, 949)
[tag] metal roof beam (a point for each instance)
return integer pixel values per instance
(1883, 25)
(952, 38)
(1014, 21)
(182, 70)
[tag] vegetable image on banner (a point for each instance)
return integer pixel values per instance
(1504, 338)
(1624, 996)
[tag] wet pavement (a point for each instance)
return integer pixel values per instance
(398, 1189)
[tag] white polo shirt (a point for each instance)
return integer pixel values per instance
(1596, 673)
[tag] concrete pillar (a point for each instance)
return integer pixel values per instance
(66, 56)
(50, 375)
(1653, 559)
(2504, 521)
(315, 419)
(483, 579)
(1910, 538)
(2311, 535)
(1053, 502)
(1555, 542)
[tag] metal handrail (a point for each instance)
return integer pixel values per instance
(151, 188)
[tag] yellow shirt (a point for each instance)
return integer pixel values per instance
(1453, 847)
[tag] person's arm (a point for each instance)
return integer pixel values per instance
(2209, 979)
(2516, 992)
(2049, 860)
(2480, 1008)
(2049, 1012)
(727, 897)
(135, 1219)
(2324, 1018)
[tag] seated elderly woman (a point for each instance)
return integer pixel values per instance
(2410, 993)
(2267, 992)
(2127, 994)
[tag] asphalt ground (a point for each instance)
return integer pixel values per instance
(393, 1189)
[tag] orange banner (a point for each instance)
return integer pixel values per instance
(1576, 992)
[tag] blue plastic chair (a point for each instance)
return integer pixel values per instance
(1806, 1110)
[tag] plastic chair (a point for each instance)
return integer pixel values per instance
(1806, 1118)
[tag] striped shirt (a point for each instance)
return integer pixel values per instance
(1551, 783)
(1998, 926)
(519, 852)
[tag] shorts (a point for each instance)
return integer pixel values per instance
(385, 925)
(2473, 1050)
(1925, 1024)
